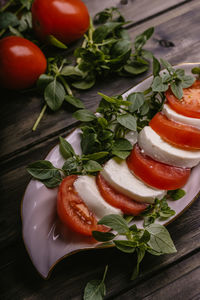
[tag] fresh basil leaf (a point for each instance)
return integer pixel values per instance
(26, 3)
(177, 89)
(135, 69)
(158, 85)
(42, 169)
(103, 236)
(25, 22)
(95, 289)
(156, 67)
(122, 145)
(147, 54)
(144, 108)
(115, 222)
(95, 156)
(8, 19)
(180, 73)
(145, 237)
(14, 31)
(71, 70)
(54, 95)
(108, 99)
(43, 81)
(141, 39)
(74, 101)
(187, 81)
(176, 194)
(140, 256)
(103, 31)
(160, 240)
(70, 166)
(84, 84)
(84, 115)
(121, 154)
(53, 181)
(92, 166)
(137, 100)
(65, 148)
(55, 42)
(128, 121)
(125, 246)
(120, 47)
(89, 143)
(196, 70)
(167, 65)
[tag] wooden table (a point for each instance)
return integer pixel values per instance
(167, 277)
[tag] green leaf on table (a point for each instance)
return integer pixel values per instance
(141, 39)
(128, 121)
(176, 194)
(115, 222)
(26, 3)
(84, 115)
(54, 95)
(42, 169)
(56, 43)
(135, 69)
(160, 240)
(8, 19)
(84, 84)
(104, 30)
(95, 289)
(92, 166)
(71, 71)
(120, 47)
(65, 148)
(74, 101)
(137, 100)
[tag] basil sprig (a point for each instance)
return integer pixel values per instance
(154, 238)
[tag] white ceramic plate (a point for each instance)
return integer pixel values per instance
(46, 239)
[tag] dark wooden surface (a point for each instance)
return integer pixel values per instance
(169, 277)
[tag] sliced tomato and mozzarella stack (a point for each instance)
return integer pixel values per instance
(160, 161)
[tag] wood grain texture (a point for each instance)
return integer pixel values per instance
(160, 276)
(20, 110)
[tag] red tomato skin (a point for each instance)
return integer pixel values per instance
(118, 200)
(156, 174)
(21, 63)
(66, 20)
(70, 208)
(177, 134)
(189, 105)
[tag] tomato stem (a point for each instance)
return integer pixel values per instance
(39, 118)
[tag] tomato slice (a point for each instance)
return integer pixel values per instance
(116, 199)
(73, 212)
(180, 135)
(155, 173)
(189, 105)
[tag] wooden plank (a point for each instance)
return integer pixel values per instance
(20, 110)
(176, 282)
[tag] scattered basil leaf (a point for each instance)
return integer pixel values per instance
(42, 169)
(54, 95)
(84, 115)
(74, 101)
(128, 121)
(92, 166)
(65, 148)
(115, 222)
(103, 236)
(176, 194)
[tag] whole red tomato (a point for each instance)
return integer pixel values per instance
(21, 63)
(66, 20)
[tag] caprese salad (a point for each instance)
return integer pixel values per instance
(160, 160)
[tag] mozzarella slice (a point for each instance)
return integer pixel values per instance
(88, 191)
(174, 116)
(117, 174)
(154, 146)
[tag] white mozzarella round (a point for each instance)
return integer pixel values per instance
(155, 147)
(174, 116)
(88, 191)
(118, 175)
